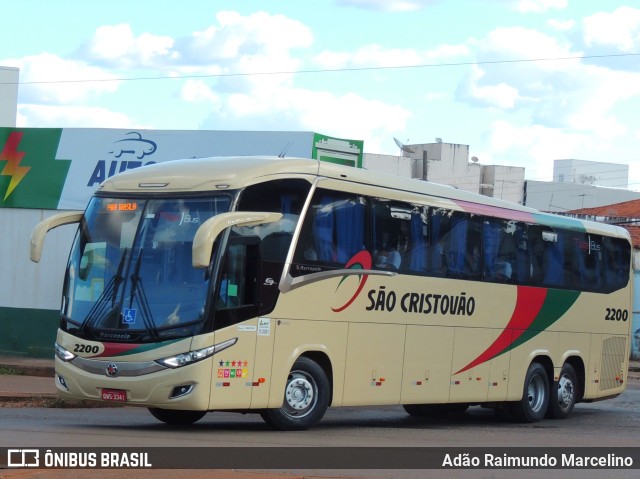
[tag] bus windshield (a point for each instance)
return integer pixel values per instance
(130, 267)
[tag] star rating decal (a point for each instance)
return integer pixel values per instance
(233, 368)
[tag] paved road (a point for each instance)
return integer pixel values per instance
(614, 423)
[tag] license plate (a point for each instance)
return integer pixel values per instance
(116, 395)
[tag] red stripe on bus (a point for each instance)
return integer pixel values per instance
(529, 302)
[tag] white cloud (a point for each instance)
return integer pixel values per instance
(198, 91)
(117, 45)
(619, 29)
(514, 71)
(374, 55)
(233, 44)
(557, 109)
(59, 80)
(520, 43)
(592, 106)
(532, 145)
(500, 95)
(236, 37)
(349, 115)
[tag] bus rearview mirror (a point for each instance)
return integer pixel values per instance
(211, 229)
(42, 228)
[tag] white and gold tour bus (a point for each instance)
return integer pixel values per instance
(284, 286)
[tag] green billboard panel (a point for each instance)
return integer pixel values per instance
(30, 175)
(337, 150)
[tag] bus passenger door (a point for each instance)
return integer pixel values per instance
(236, 318)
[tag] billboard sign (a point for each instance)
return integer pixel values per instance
(55, 168)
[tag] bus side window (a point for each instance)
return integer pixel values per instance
(523, 253)
(334, 229)
(586, 257)
(461, 246)
(440, 226)
(417, 244)
(496, 264)
(617, 257)
(536, 254)
(556, 262)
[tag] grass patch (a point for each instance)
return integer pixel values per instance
(8, 371)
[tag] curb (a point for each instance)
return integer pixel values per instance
(23, 366)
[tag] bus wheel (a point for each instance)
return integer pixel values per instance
(176, 417)
(306, 398)
(433, 410)
(563, 393)
(535, 398)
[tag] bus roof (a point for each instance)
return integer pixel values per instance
(229, 173)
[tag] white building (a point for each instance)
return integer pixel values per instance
(8, 96)
(448, 164)
(503, 182)
(557, 197)
(594, 173)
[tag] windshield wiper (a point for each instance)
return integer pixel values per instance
(138, 293)
(100, 308)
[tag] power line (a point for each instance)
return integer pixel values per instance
(321, 70)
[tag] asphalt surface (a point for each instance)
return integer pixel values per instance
(28, 382)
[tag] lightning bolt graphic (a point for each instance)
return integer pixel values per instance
(13, 157)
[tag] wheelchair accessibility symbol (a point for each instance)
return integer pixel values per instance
(129, 316)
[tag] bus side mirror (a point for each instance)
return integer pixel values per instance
(42, 228)
(210, 229)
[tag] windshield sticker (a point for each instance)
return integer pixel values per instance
(232, 289)
(129, 316)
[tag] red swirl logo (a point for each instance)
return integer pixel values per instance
(361, 260)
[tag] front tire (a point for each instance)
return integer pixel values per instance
(306, 398)
(535, 398)
(563, 393)
(176, 417)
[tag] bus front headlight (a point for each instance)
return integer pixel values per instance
(63, 354)
(190, 357)
(187, 358)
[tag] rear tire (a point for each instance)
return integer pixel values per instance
(306, 398)
(535, 396)
(177, 417)
(563, 393)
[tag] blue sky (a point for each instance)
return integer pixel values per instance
(522, 82)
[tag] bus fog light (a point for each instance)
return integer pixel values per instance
(180, 391)
(62, 382)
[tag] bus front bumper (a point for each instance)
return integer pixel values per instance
(135, 384)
